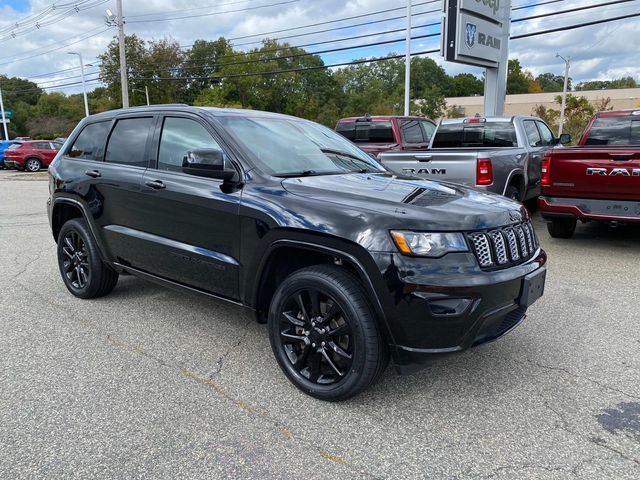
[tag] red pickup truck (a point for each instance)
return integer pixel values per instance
(379, 133)
(597, 180)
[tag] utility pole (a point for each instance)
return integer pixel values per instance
(4, 120)
(123, 59)
(146, 92)
(567, 65)
(84, 88)
(407, 67)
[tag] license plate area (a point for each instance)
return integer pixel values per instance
(532, 287)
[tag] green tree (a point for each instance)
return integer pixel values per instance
(577, 114)
(518, 80)
(466, 85)
(625, 82)
(552, 83)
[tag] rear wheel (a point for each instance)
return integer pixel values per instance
(513, 193)
(324, 333)
(32, 165)
(562, 227)
(84, 273)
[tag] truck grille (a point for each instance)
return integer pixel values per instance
(504, 247)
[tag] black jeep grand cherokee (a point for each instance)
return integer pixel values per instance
(346, 262)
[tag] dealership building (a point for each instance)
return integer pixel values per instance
(524, 104)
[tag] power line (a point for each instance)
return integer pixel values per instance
(573, 27)
(187, 9)
(257, 7)
(571, 10)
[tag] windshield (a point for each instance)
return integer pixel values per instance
(282, 146)
(615, 131)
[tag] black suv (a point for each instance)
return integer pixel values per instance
(347, 263)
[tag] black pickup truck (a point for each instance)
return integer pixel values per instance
(348, 263)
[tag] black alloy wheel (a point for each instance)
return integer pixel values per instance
(83, 272)
(75, 262)
(316, 336)
(324, 333)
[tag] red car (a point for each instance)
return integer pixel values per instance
(31, 155)
(382, 133)
(597, 180)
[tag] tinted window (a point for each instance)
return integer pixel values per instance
(486, 134)
(615, 131)
(128, 142)
(547, 134)
(533, 135)
(179, 135)
(347, 130)
(90, 143)
(374, 132)
(417, 131)
(42, 146)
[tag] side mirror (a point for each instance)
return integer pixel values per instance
(208, 162)
(564, 139)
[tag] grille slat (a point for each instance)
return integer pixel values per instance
(504, 247)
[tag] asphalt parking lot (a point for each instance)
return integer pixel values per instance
(151, 383)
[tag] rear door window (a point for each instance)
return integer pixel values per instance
(128, 142)
(90, 143)
(42, 146)
(481, 134)
(417, 131)
(615, 131)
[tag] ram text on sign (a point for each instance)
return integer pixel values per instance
(479, 39)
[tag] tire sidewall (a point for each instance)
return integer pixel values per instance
(353, 380)
(79, 226)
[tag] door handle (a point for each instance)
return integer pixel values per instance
(424, 158)
(620, 156)
(156, 185)
(93, 173)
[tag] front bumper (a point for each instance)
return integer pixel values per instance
(589, 209)
(450, 305)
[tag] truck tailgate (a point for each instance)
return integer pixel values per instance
(452, 166)
(585, 172)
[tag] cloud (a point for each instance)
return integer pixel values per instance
(597, 52)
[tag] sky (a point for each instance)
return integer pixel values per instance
(39, 52)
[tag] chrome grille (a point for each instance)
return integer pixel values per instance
(504, 247)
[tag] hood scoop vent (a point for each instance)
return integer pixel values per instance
(422, 197)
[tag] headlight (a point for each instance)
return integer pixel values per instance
(429, 244)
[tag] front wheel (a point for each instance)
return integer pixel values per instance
(83, 272)
(562, 227)
(324, 333)
(32, 165)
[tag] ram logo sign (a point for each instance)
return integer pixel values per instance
(470, 35)
(615, 172)
(425, 171)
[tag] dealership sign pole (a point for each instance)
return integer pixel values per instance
(476, 32)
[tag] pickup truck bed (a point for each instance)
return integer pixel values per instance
(592, 182)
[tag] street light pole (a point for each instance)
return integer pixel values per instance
(123, 59)
(567, 64)
(84, 87)
(4, 120)
(407, 68)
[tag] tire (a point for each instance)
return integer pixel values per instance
(78, 253)
(513, 193)
(323, 365)
(32, 165)
(562, 227)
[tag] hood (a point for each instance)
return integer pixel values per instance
(412, 203)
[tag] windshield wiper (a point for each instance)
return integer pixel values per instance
(369, 167)
(305, 173)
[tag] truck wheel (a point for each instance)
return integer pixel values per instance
(32, 165)
(562, 227)
(84, 273)
(324, 333)
(513, 193)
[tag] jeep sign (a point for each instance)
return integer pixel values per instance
(490, 9)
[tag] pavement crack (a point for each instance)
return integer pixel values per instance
(222, 358)
(577, 376)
